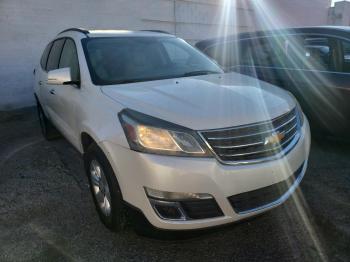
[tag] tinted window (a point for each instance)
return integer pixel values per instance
(55, 53)
(346, 56)
(263, 52)
(225, 54)
(312, 53)
(69, 58)
(43, 59)
(115, 60)
(258, 52)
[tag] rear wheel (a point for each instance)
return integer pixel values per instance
(104, 188)
(47, 129)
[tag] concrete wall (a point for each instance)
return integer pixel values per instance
(27, 26)
(340, 14)
(291, 13)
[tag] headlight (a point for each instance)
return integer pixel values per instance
(151, 135)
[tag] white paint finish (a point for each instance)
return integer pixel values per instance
(199, 175)
(200, 102)
(27, 26)
(205, 102)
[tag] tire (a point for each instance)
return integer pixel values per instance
(47, 129)
(105, 189)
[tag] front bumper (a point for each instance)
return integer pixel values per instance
(135, 171)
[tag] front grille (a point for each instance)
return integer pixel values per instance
(250, 143)
(261, 197)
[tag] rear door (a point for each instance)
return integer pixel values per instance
(320, 77)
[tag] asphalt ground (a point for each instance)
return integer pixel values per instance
(47, 212)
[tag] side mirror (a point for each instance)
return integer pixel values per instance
(60, 76)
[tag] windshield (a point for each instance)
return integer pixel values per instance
(116, 60)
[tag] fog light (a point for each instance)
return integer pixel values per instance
(168, 210)
(183, 206)
(163, 195)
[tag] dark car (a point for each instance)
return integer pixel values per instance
(313, 63)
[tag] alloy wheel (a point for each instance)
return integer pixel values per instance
(100, 187)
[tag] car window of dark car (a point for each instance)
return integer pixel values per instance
(267, 51)
(55, 53)
(311, 53)
(69, 58)
(346, 56)
(43, 59)
(225, 54)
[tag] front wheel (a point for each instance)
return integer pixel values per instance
(104, 188)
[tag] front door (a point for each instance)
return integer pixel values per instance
(66, 96)
(49, 90)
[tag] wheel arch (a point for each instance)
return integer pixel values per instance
(86, 140)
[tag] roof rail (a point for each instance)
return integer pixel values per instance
(80, 30)
(157, 31)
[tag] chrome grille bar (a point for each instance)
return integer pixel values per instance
(251, 143)
(259, 133)
(261, 151)
(240, 146)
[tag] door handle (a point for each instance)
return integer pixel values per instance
(40, 83)
(52, 91)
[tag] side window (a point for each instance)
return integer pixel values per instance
(43, 59)
(267, 51)
(310, 52)
(54, 56)
(225, 54)
(346, 56)
(69, 58)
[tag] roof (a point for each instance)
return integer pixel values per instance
(342, 31)
(112, 32)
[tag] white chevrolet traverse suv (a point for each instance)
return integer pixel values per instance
(169, 140)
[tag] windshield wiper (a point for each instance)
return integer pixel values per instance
(192, 73)
(201, 72)
(127, 81)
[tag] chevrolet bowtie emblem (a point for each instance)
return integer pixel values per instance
(274, 139)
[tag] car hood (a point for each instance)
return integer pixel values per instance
(204, 102)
